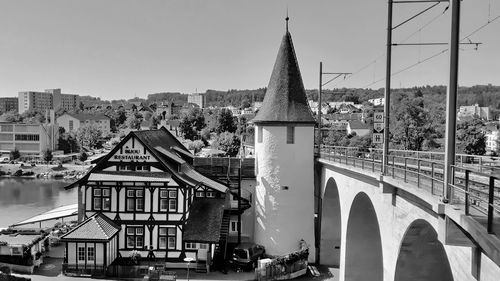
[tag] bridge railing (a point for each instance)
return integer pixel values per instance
(472, 186)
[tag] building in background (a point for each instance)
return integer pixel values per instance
(50, 99)
(8, 104)
(377, 101)
(71, 122)
(473, 111)
(29, 139)
(198, 99)
(492, 140)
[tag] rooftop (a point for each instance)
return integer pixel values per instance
(97, 227)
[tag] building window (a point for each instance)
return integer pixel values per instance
(102, 199)
(200, 194)
(125, 168)
(143, 168)
(168, 200)
(290, 134)
(259, 134)
(23, 137)
(210, 194)
(167, 238)
(233, 226)
(135, 200)
(90, 253)
(70, 125)
(190, 245)
(135, 237)
(81, 253)
(203, 246)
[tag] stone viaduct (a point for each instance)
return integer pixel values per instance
(378, 228)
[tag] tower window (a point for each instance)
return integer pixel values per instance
(290, 134)
(259, 134)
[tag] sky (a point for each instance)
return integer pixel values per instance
(117, 49)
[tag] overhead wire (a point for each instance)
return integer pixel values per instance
(372, 62)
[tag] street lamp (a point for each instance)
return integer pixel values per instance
(188, 260)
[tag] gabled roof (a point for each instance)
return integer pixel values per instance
(204, 221)
(97, 227)
(285, 100)
(356, 124)
(87, 116)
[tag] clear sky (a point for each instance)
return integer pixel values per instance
(122, 48)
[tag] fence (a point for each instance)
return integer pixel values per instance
(284, 267)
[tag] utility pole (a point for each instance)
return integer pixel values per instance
(320, 93)
(387, 94)
(451, 100)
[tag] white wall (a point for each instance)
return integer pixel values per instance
(284, 217)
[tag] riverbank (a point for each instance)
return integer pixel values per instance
(66, 171)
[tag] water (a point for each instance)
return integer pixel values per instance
(23, 198)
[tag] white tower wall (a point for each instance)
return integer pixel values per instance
(284, 215)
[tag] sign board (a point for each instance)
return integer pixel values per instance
(378, 138)
(378, 117)
(378, 127)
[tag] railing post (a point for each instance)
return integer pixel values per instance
(466, 188)
(490, 204)
(393, 164)
(373, 162)
(480, 164)
(406, 166)
(363, 161)
(432, 178)
(418, 173)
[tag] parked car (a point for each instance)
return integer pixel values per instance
(246, 255)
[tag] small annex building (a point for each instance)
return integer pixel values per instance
(144, 197)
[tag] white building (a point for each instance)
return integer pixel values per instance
(470, 111)
(492, 140)
(29, 139)
(71, 122)
(284, 150)
(198, 99)
(377, 101)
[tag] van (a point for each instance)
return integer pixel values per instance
(246, 255)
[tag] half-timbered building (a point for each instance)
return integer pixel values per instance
(145, 197)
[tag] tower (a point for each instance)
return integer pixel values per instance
(284, 155)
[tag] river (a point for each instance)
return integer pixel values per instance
(23, 198)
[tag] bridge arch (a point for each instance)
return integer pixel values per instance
(363, 253)
(421, 255)
(331, 225)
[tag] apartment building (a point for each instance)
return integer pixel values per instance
(72, 122)
(198, 99)
(50, 99)
(8, 104)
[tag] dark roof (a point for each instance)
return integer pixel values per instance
(97, 227)
(87, 116)
(161, 138)
(285, 100)
(204, 221)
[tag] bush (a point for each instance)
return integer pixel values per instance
(83, 156)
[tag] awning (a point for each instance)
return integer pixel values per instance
(57, 213)
(96, 228)
(205, 220)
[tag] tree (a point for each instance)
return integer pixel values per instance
(67, 142)
(15, 154)
(472, 139)
(88, 136)
(411, 124)
(47, 155)
(192, 123)
(196, 145)
(134, 120)
(11, 116)
(228, 142)
(81, 106)
(225, 122)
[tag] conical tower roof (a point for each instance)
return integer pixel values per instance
(285, 100)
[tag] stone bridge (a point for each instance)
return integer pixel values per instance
(375, 227)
